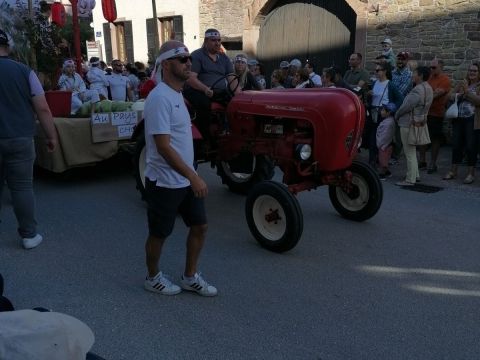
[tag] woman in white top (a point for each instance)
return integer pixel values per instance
(72, 81)
(379, 97)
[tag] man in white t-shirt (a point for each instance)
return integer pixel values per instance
(171, 182)
(120, 89)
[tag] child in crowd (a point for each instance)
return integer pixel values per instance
(387, 55)
(385, 134)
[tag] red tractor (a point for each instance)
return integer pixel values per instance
(312, 135)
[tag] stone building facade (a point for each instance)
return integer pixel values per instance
(225, 15)
(446, 29)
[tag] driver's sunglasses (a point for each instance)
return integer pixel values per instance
(182, 59)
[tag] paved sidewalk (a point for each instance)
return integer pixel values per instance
(444, 161)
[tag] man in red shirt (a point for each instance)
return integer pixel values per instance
(441, 86)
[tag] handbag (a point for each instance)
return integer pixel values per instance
(418, 130)
(452, 111)
(418, 135)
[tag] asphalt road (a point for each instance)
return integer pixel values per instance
(403, 285)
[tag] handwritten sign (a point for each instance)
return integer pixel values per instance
(100, 118)
(124, 118)
(114, 125)
(125, 131)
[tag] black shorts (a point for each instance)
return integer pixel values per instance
(435, 127)
(164, 204)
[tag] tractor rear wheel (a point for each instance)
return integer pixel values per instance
(274, 216)
(242, 173)
(365, 196)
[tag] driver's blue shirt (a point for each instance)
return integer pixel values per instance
(210, 71)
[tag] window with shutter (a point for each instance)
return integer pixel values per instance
(120, 38)
(152, 37)
(108, 43)
(130, 56)
(178, 27)
(171, 28)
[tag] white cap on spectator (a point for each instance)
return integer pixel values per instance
(29, 334)
(296, 63)
(284, 64)
(387, 41)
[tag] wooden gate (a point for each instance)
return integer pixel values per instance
(320, 31)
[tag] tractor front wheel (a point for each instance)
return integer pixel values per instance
(274, 216)
(364, 197)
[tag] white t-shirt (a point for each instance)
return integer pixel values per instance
(380, 93)
(98, 80)
(165, 113)
(316, 79)
(118, 86)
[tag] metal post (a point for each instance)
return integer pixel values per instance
(76, 36)
(155, 38)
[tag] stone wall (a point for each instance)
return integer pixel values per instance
(446, 29)
(224, 15)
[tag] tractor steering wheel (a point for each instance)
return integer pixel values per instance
(224, 95)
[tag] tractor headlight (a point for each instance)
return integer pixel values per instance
(303, 151)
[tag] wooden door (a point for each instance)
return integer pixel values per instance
(322, 32)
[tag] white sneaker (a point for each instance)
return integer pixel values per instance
(30, 243)
(160, 284)
(199, 285)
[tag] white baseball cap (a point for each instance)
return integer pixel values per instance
(30, 334)
(387, 41)
(296, 62)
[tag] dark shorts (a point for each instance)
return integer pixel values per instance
(164, 204)
(435, 127)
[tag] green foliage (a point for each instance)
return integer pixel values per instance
(86, 33)
(38, 43)
(12, 22)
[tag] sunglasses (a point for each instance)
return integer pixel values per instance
(377, 70)
(182, 59)
(433, 67)
(216, 40)
(472, 70)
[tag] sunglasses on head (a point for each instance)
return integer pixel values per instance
(182, 59)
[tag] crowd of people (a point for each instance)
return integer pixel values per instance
(120, 82)
(415, 96)
(398, 95)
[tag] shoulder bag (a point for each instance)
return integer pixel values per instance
(452, 111)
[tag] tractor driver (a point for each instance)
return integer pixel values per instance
(209, 66)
